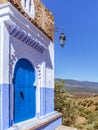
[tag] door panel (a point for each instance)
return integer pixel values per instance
(25, 91)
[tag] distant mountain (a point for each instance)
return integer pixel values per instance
(80, 86)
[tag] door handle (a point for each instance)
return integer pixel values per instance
(22, 95)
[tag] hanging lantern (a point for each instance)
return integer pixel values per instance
(62, 39)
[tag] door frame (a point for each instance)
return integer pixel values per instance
(18, 65)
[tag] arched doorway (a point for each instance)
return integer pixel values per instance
(24, 91)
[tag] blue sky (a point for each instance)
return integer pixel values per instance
(79, 19)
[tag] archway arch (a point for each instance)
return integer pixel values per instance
(24, 91)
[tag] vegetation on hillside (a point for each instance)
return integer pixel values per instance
(64, 104)
(79, 113)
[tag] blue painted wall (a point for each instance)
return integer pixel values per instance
(4, 93)
(47, 100)
(51, 125)
(0, 107)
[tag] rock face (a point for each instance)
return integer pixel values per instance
(44, 19)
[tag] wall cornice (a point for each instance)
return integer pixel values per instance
(17, 22)
(26, 38)
(44, 20)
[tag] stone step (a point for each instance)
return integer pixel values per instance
(65, 128)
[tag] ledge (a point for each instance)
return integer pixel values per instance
(34, 124)
(49, 120)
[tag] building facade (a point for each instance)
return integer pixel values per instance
(26, 67)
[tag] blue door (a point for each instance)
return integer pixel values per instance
(25, 91)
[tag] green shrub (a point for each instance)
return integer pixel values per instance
(96, 126)
(96, 109)
(96, 104)
(64, 105)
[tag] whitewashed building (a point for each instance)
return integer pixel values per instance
(26, 67)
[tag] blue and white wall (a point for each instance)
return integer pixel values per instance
(17, 40)
(4, 77)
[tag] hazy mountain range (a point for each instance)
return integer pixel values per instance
(80, 86)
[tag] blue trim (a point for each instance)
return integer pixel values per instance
(4, 103)
(27, 39)
(47, 100)
(42, 101)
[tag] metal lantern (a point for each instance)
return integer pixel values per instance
(62, 39)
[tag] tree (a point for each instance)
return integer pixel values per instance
(64, 105)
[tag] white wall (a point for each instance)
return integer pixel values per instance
(12, 49)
